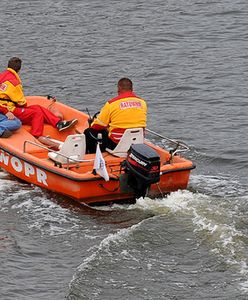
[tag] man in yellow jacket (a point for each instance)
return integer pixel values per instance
(124, 111)
(13, 103)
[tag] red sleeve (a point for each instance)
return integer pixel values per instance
(24, 105)
(3, 110)
(98, 127)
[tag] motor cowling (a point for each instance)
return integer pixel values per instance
(142, 167)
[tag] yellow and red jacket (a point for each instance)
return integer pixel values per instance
(11, 89)
(122, 112)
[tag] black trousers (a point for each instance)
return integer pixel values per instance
(91, 140)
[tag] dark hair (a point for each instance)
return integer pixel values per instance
(15, 63)
(125, 84)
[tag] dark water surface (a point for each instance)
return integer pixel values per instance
(189, 60)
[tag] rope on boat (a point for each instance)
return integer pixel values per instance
(160, 190)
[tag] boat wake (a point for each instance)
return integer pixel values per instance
(215, 205)
(217, 218)
(36, 210)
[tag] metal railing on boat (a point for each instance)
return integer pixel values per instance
(179, 146)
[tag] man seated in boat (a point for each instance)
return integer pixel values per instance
(124, 111)
(13, 103)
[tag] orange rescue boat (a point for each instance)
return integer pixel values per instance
(135, 168)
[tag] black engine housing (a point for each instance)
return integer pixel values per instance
(142, 167)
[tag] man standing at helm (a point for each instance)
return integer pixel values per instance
(124, 111)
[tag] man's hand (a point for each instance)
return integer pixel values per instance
(10, 115)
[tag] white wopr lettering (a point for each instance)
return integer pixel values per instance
(16, 164)
(28, 169)
(41, 177)
(4, 158)
(23, 167)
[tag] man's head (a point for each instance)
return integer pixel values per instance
(124, 85)
(15, 63)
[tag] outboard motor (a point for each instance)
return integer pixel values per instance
(142, 168)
